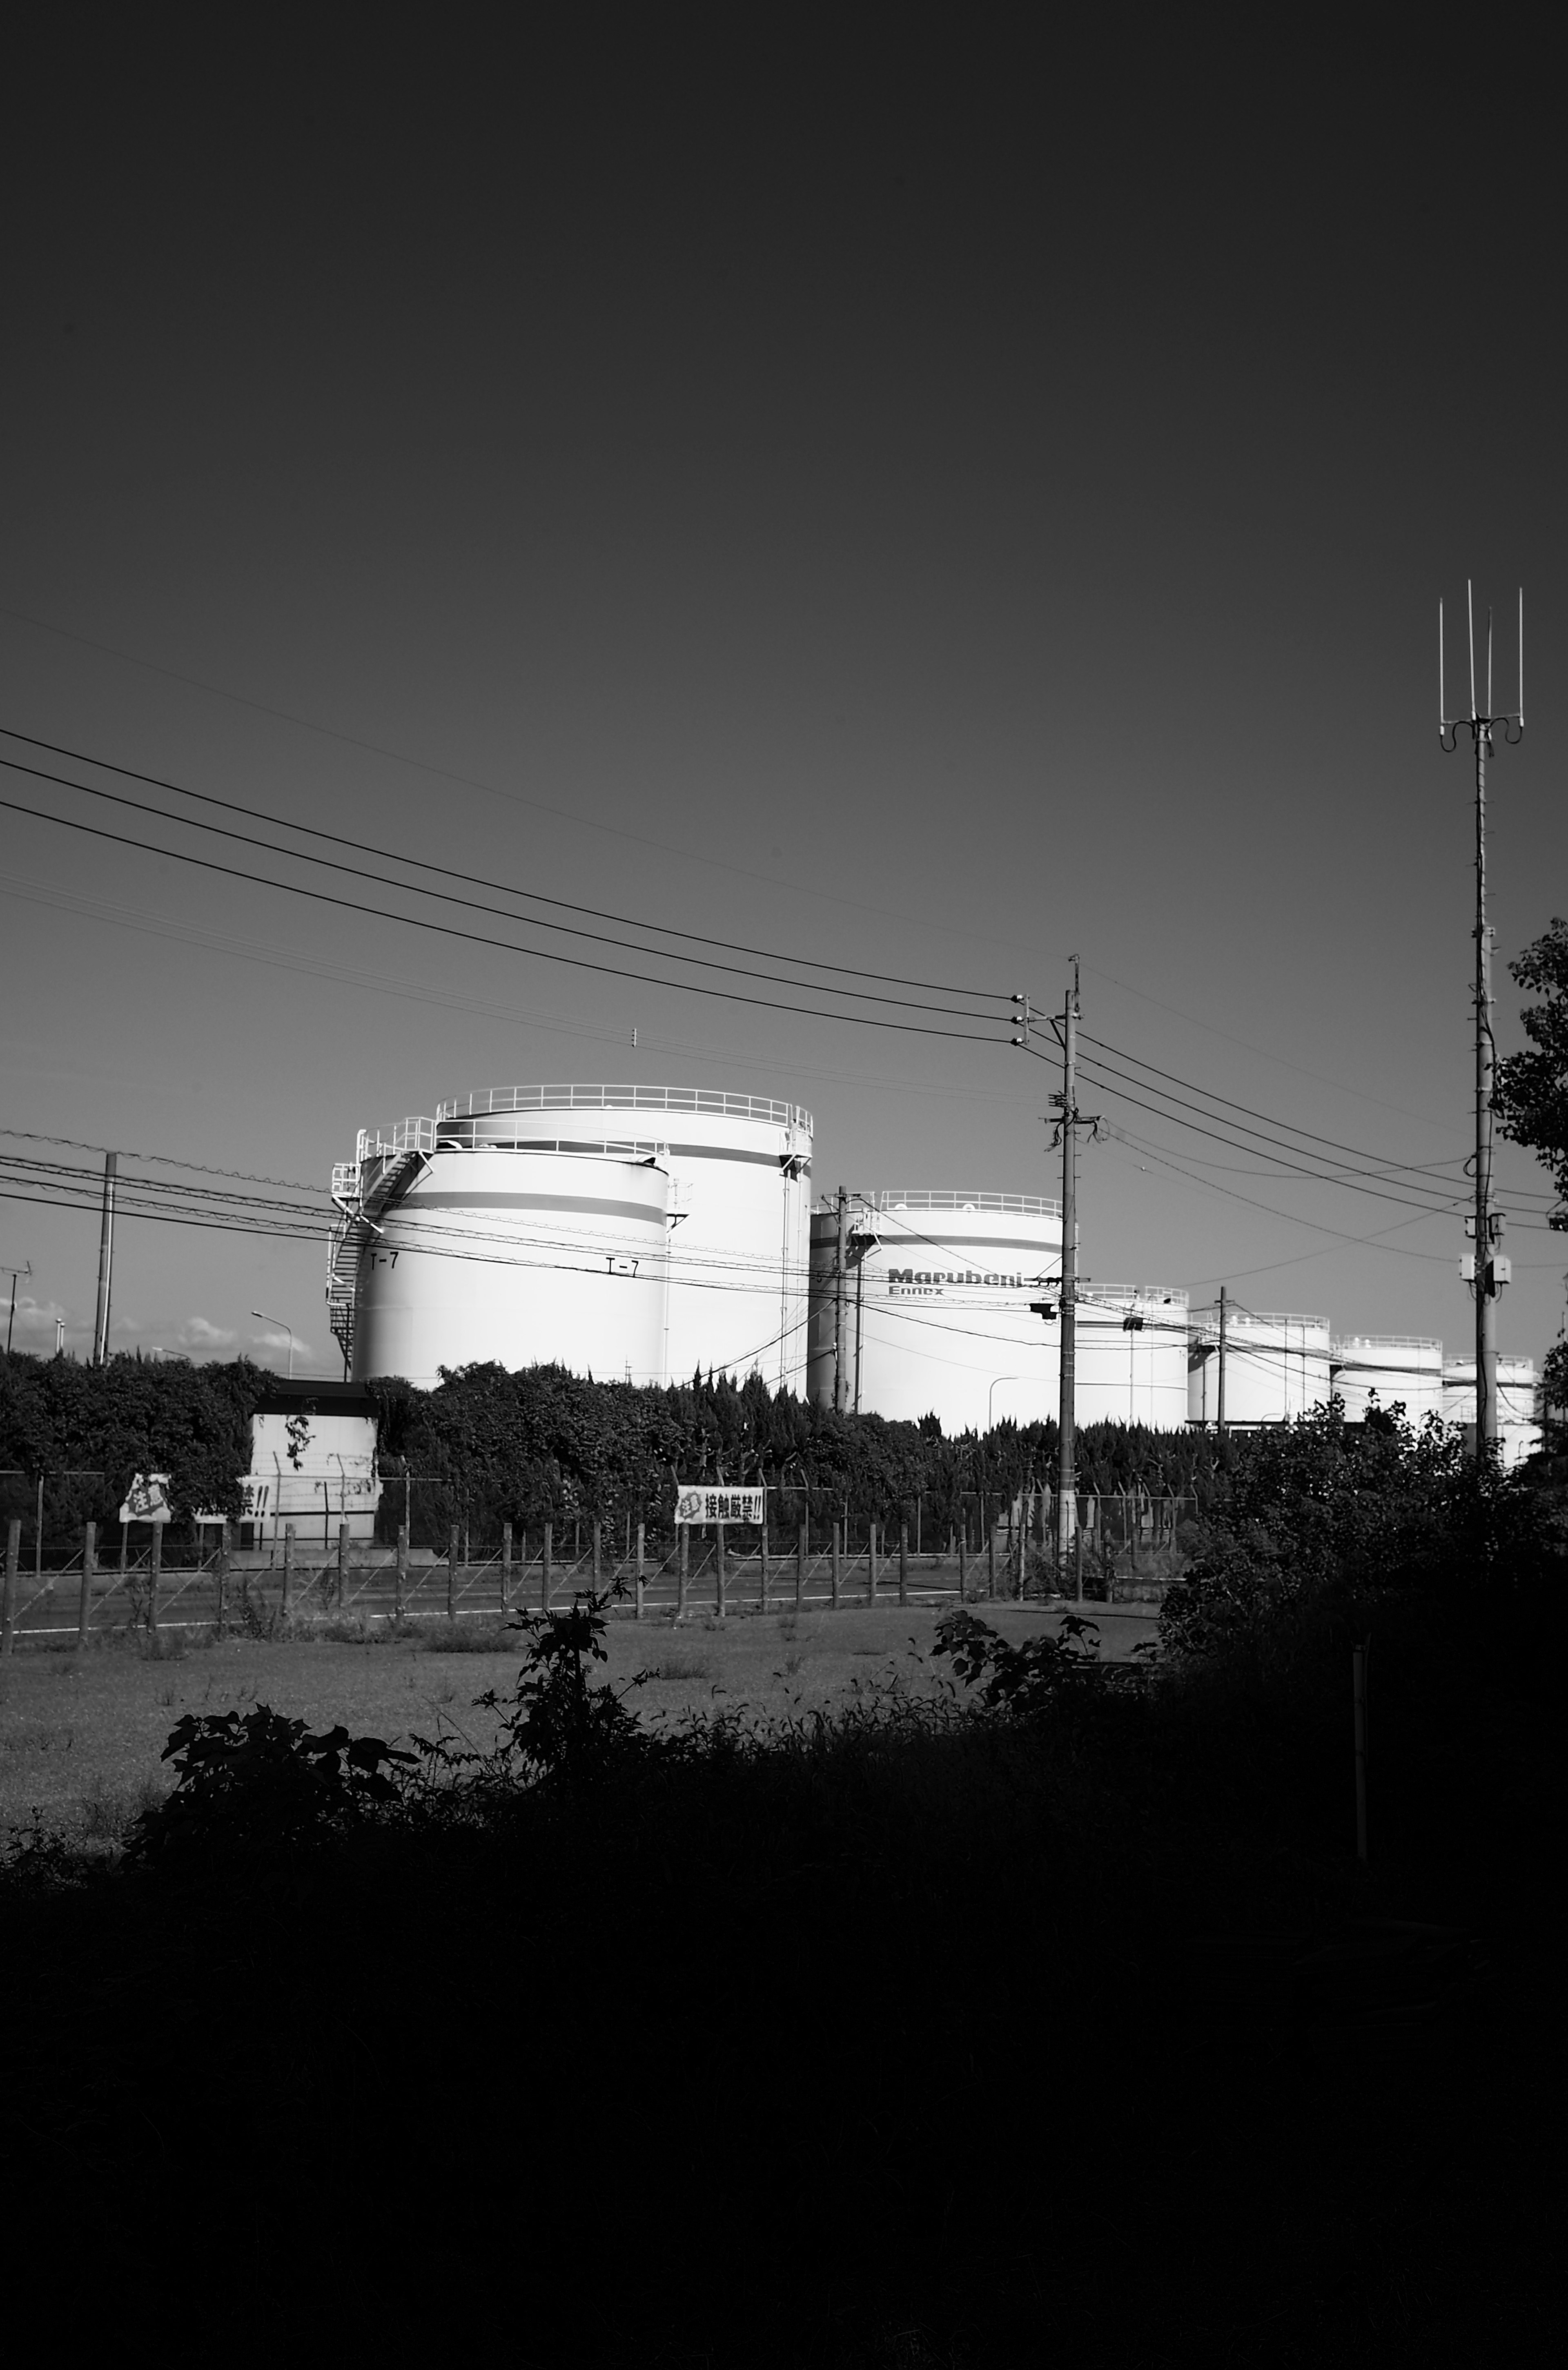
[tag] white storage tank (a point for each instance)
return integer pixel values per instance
(640, 1231)
(1399, 1367)
(1131, 1365)
(739, 1205)
(1276, 1366)
(937, 1306)
(1519, 1421)
(523, 1259)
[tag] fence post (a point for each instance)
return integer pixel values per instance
(155, 1573)
(682, 1568)
(400, 1583)
(991, 1557)
(545, 1568)
(641, 1537)
(962, 1562)
(1078, 1558)
(8, 1608)
(452, 1573)
(801, 1553)
(506, 1567)
(724, 1576)
(1358, 1658)
(596, 1555)
(342, 1562)
(834, 1597)
(220, 1577)
(872, 1562)
(762, 1554)
(288, 1570)
(903, 1563)
(89, 1566)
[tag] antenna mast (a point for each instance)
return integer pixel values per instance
(1485, 1269)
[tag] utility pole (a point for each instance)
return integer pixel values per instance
(1067, 1428)
(11, 1321)
(1069, 1119)
(840, 1343)
(1487, 1270)
(1223, 1311)
(106, 1262)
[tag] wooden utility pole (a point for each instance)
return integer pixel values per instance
(8, 1606)
(89, 1566)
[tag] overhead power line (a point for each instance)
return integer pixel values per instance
(483, 938)
(472, 880)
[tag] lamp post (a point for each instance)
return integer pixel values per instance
(287, 1328)
(991, 1400)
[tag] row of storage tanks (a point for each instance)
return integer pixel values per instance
(644, 1234)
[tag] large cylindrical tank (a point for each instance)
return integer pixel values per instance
(1398, 1368)
(1276, 1366)
(1132, 1355)
(739, 1207)
(938, 1297)
(1518, 1424)
(522, 1258)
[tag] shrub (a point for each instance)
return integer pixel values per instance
(258, 1780)
(556, 1724)
(1322, 1521)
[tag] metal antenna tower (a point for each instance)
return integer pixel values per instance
(1485, 1269)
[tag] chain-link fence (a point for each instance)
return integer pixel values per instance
(69, 1571)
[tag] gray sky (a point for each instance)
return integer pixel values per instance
(894, 516)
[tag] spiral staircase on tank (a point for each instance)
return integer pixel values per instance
(363, 1189)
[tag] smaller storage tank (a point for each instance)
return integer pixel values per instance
(939, 1319)
(1276, 1366)
(1518, 1425)
(1132, 1355)
(1398, 1368)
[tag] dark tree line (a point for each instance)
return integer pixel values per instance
(1530, 1094)
(135, 1415)
(543, 1444)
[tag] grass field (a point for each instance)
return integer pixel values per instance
(81, 1734)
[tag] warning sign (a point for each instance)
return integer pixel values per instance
(701, 1502)
(147, 1501)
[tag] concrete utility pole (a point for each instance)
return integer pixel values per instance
(1066, 1439)
(840, 1308)
(1069, 1119)
(11, 1321)
(1072, 1119)
(1224, 1312)
(106, 1262)
(1485, 1269)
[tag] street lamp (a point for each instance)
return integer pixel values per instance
(991, 1401)
(287, 1328)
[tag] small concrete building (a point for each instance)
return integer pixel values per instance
(312, 1463)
